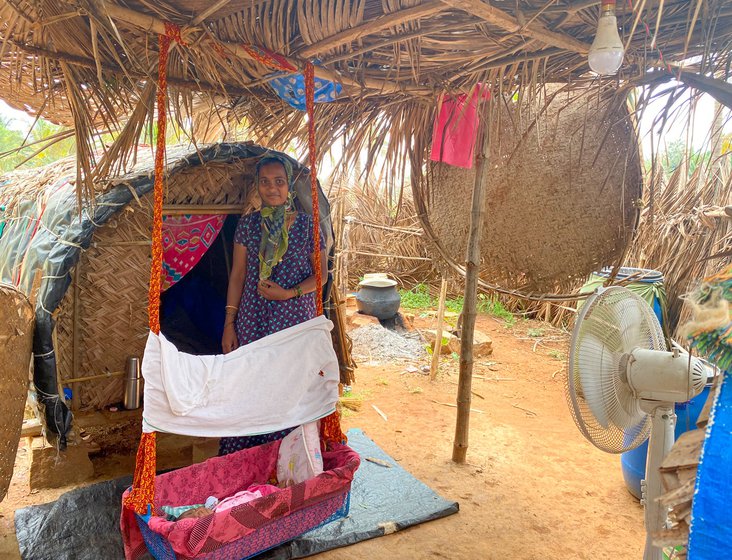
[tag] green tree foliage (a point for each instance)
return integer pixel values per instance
(9, 139)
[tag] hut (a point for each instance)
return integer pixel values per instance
(90, 271)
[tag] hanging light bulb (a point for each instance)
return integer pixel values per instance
(606, 52)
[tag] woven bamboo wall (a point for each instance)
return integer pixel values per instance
(561, 193)
(16, 334)
(113, 280)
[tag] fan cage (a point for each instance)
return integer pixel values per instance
(599, 318)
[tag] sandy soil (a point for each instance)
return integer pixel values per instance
(532, 488)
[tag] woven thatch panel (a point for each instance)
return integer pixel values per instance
(561, 193)
(16, 337)
(114, 274)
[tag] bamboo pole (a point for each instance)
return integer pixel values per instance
(438, 334)
(462, 425)
(94, 377)
(75, 360)
(193, 34)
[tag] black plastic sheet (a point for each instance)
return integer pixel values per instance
(84, 524)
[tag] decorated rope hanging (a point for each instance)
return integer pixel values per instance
(143, 484)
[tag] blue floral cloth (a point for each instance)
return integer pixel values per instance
(291, 88)
(259, 317)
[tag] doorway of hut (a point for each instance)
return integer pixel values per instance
(192, 308)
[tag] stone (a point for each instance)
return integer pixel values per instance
(51, 468)
(482, 343)
(453, 343)
(361, 320)
(408, 320)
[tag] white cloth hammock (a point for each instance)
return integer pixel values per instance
(282, 380)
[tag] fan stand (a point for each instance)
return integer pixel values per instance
(663, 420)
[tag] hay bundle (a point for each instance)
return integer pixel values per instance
(685, 231)
(16, 346)
(561, 193)
(375, 237)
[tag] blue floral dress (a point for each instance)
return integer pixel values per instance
(259, 317)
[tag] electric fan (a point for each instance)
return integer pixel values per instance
(622, 385)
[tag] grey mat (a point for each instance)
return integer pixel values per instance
(84, 524)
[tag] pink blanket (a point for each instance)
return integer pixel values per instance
(225, 476)
(455, 127)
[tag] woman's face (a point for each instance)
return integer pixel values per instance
(272, 186)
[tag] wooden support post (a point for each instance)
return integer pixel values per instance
(436, 351)
(470, 300)
(345, 254)
(75, 337)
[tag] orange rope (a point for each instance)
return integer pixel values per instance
(268, 58)
(309, 75)
(143, 484)
(330, 430)
(156, 265)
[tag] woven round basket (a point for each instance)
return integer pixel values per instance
(562, 192)
(16, 346)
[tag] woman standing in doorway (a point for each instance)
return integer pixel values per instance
(272, 285)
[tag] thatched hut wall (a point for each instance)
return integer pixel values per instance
(562, 192)
(104, 258)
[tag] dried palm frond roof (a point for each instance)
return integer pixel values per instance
(92, 63)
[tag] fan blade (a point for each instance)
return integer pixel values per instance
(596, 365)
(629, 319)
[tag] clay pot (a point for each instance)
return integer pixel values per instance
(378, 297)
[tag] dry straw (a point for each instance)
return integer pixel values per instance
(89, 64)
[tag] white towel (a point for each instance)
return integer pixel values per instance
(282, 380)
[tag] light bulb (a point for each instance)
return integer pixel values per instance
(606, 52)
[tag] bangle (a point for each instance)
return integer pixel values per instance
(231, 310)
(298, 291)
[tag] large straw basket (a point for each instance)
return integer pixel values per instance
(16, 345)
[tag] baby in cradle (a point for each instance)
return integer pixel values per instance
(213, 504)
(299, 459)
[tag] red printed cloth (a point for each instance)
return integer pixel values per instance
(225, 476)
(455, 127)
(185, 240)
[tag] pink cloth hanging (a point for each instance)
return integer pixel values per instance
(185, 240)
(456, 124)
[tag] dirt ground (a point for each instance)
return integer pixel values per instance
(532, 487)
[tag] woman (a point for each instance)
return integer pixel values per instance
(272, 284)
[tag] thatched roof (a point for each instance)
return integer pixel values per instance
(92, 63)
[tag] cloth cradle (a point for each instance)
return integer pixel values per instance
(297, 373)
(247, 529)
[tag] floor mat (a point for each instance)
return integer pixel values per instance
(84, 524)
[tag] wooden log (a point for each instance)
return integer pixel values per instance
(462, 425)
(191, 34)
(506, 21)
(436, 351)
(373, 26)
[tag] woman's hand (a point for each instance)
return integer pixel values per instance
(229, 342)
(272, 291)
